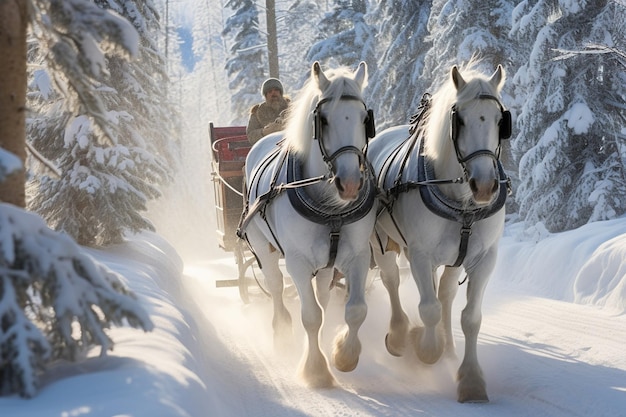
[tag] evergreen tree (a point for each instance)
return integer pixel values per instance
(209, 91)
(571, 154)
(110, 168)
(294, 35)
(403, 40)
(55, 301)
(344, 38)
(460, 30)
(247, 66)
(13, 24)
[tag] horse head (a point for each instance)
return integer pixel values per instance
(342, 125)
(478, 123)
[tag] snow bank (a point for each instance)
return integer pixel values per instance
(147, 374)
(586, 265)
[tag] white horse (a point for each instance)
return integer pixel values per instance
(444, 182)
(311, 199)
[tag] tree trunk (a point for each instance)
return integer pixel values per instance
(13, 24)
(272, 37)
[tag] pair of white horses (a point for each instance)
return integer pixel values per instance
(314, 193)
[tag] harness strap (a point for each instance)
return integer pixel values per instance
(466, 232)
(261, 202)
(335, 231)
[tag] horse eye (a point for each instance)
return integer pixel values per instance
(324, 121)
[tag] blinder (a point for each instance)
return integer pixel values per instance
(370, 125)
(506, 125)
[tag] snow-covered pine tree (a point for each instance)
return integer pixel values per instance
(13, 30)
(460, 30)
(247, 67)
(345, 38)
(569, 143)
(402, 42)
(113, 156)
(209, 94)
(55, 301)
(295, 39)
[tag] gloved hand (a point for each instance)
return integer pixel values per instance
(272, 127)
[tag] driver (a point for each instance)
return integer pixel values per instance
(268, 117)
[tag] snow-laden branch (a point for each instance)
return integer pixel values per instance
(56, 301)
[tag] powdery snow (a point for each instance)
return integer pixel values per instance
(551, 343)
(579, 118)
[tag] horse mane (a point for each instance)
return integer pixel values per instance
(299, 123)
(438, 127)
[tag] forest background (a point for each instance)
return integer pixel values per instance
(566, 81)
(116, 89)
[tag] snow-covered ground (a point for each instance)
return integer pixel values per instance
(551, 344)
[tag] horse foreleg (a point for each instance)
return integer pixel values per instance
(323, 281)
(472, 387)
(314, 368)
(347, 346)
(448, 287)
(395, 340)
(429, 340)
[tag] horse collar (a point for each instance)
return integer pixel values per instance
(443, 206)
(310, 209)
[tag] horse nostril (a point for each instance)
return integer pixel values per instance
(473, 186)
(495, 186)
(338, 184)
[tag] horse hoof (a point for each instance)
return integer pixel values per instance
(346, 355)
(428, 350)
(390, 349)
(320, 380)
(473, 396)
(347, 367)
(472, 387)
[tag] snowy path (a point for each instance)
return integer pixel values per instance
(541, 357)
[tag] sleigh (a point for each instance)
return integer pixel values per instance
(230, 146)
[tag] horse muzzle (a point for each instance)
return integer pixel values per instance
(484, 192)
(348, 189)
(482, 177)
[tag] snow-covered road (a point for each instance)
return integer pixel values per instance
(541, 357)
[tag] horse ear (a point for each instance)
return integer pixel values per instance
(457, 79)
(360, 75)
(497, 79)
(319, 76)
